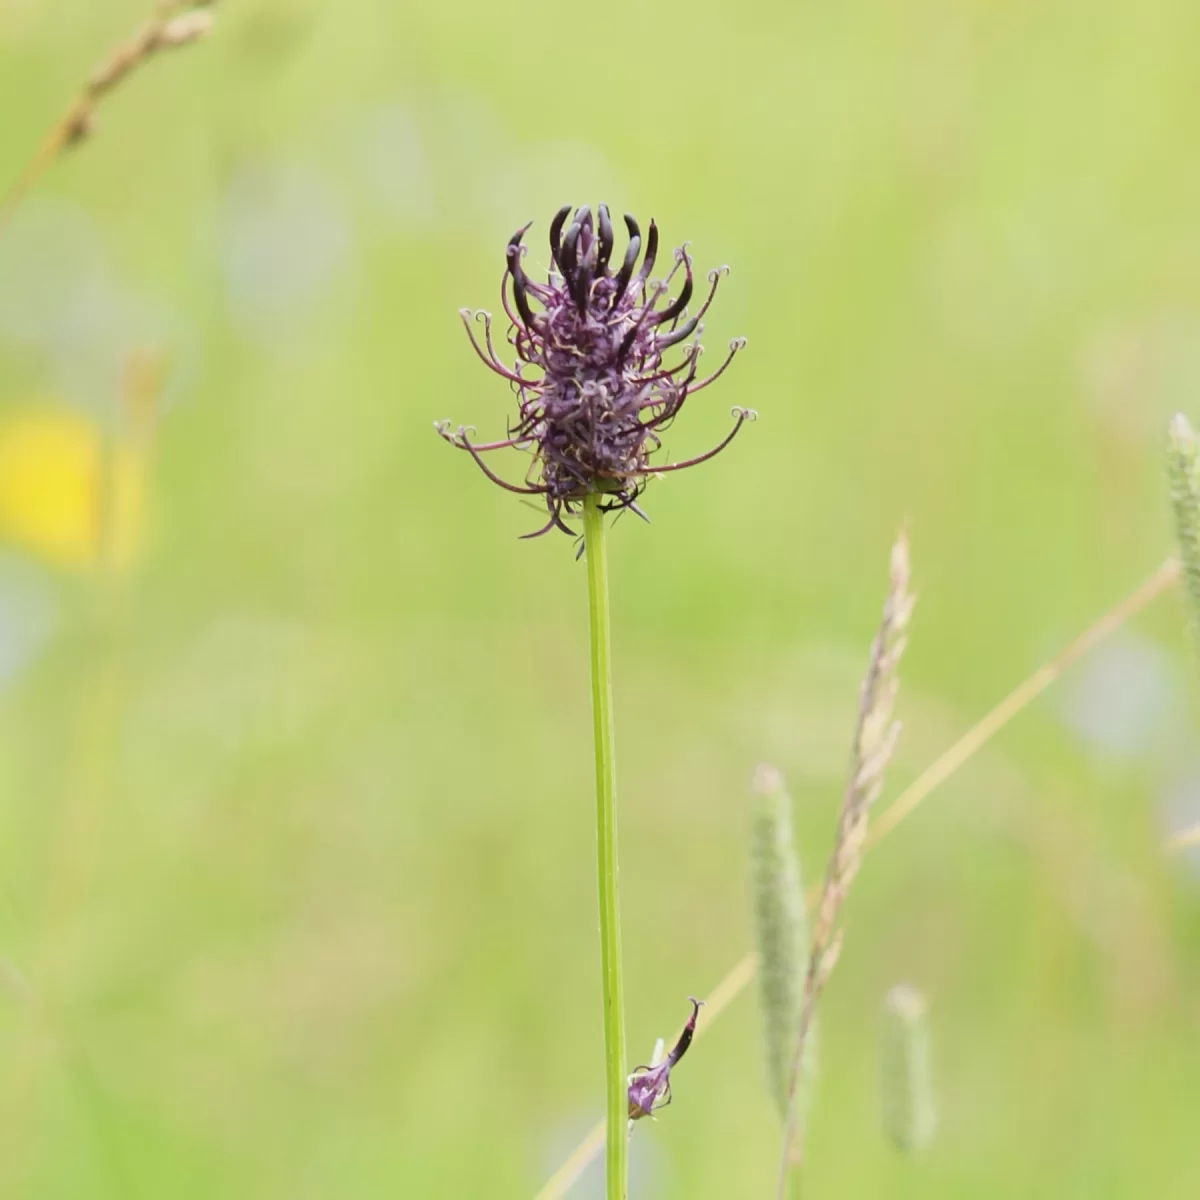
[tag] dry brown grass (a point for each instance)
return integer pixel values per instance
(875, 736)
(173, 23)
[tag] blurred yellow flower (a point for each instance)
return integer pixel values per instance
(67, 493)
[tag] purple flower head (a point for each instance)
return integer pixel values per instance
(650, 1087)
(593, 391)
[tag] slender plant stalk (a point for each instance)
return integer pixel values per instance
(617, 1157)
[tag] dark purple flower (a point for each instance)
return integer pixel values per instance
(650, 1087)
(593, 393)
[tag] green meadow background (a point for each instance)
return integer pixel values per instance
(296, 843)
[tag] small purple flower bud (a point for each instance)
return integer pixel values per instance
(593, 393)
(650, 1087)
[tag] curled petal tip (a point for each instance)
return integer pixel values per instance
(626, 272)
(519, 282)
(515, 240)
(569, 249)
(675, 308)
(456, 437)
(604, 224)
(556, 228)
(651, 254)
(681, 334)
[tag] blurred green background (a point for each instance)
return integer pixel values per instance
(296, 843)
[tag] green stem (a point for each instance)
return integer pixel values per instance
(617, 1108)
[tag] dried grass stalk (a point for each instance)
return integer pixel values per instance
(173, 23)
(874, 742)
